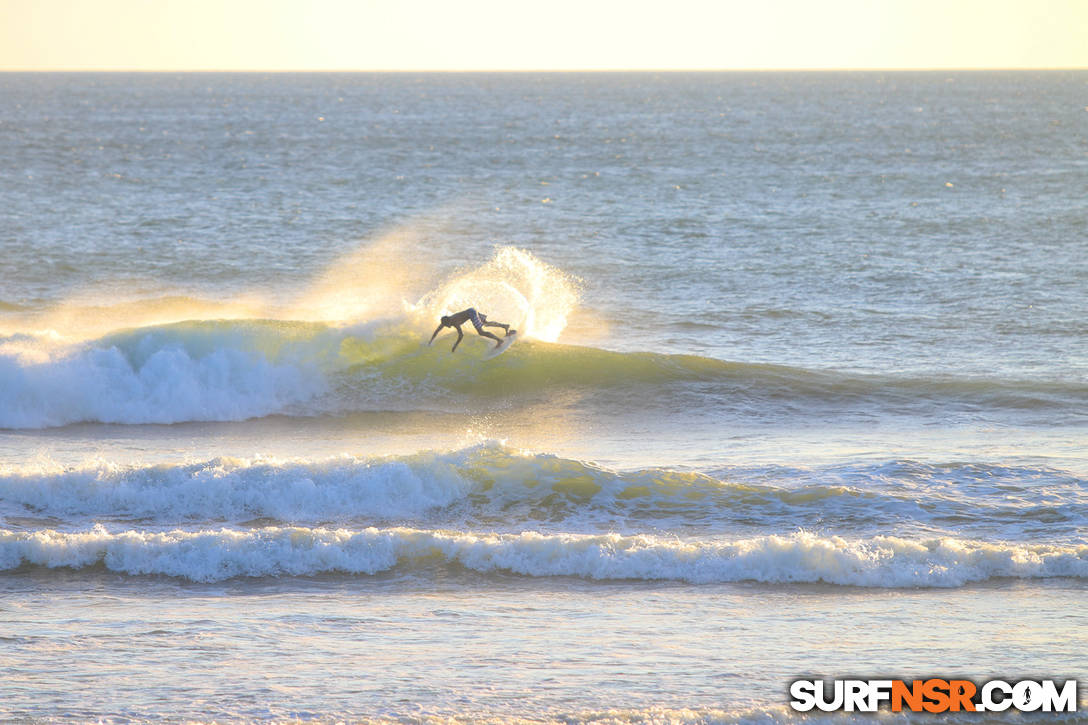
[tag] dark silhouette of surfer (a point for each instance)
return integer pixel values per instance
(478, 321)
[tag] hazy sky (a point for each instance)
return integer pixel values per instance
(540, 34)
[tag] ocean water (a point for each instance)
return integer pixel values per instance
(801, 390)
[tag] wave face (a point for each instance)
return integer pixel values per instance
(495, 487)
(239, 369)
(216, 555)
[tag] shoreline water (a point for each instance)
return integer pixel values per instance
(712, 656)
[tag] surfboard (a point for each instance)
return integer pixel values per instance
(510, 339)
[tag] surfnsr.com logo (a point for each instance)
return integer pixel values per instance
(934, 695)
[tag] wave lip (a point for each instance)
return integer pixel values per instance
(801, 557)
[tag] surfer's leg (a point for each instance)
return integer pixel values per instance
(503, 325)
(485, 333)
(479, 325)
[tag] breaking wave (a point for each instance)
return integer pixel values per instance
(216, 555)
(490, 485)
(356, 342)
(238, 369)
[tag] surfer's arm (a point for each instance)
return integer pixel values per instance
(460, 336)
(437, 330)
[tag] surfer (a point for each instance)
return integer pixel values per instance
(478, 321)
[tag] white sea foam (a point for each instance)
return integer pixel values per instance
(171, 384)
(232, 488)
(344, 487)
(214, 555)
(491, 484)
